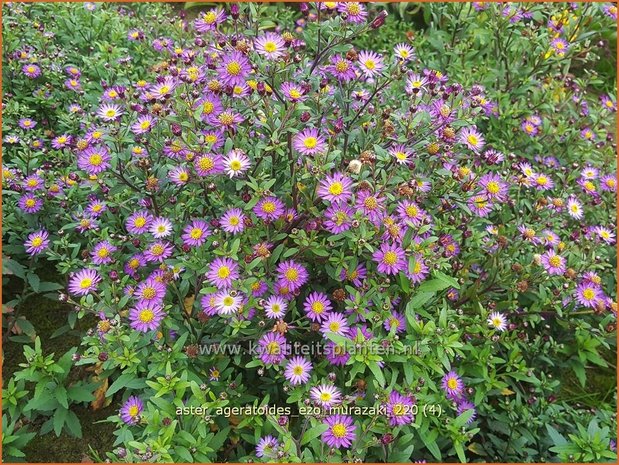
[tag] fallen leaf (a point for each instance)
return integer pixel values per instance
(100, 400)
(188, 304)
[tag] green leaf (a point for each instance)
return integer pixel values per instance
(377, 372)
(313, 433)
(59, 419)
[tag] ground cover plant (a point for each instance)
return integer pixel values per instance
(319, 232)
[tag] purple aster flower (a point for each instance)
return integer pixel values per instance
(356, 276)
(542, 181)
(158, 251)
(480, 205)
(102, 253)
(292, 274)
(164, 89)
(335, 188)
(269, 208)
(109, 112)
(298, 370)
(273, 348)
(338, 218)
(146, 316)
(560, 46)
(605, 234)
(452, 385)
(401, 154)
(553, 263)
(136, 262)
(309, 142)
(151, 291)
(84, 282)
(472, 138)
(463, 405)
(334, 323)
(400, 409)
(33, 183)
(267, 446)
(608, 103)
(195, 233)
(341, 432)
(396, 322)
(275, 307)
(139, 222)
(160, 227)
(317, 306)
(210, 104)
(233, 221)
(326, 395)
(342, 68)
(30, 203)
(411, 212)
(179, 175)
(222, 272)
(60, 142)
(404, 52)
(391, 259)
(27, 123)
(143, 125)
(293, 92)
(94, 160)
(371, 205)
(37, 242)
(234, 68)
(371, 63)
(270, 45)
(227, 302)
(209, 20)
(227, 119)
(493, 186)
(208, 164)
(31, 70)
(130, 411)
(336, 354)
(354, 12)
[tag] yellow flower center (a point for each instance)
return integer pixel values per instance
(370, 64)
(228, 301)
(210, 17)
(399, 409)
(145, 124)
(291, 274)
(452, 383)
(493, 187)
(196, 233)
(206, 164)
(270, 46)
(223, 272)
(339, 430)
(310, 142)
(325, 396)
(235, 165)
(233, 68)
(554, 261)
(390, 258)
(85, 283)
(336, 188)
(341, 66)
(37, 241)
(226, 118)
(294, 93)
(334, 326)
(30, 202)
(588, 294)
(149, 293)
(472, 139)
(318, 307)
(268, 207)
(298, 370)
(103, 252)
(95, 159)
(353, 9)
(234, 220)
(157, 249)
(370, 203)
(133, 411)
(146, 316)
(273, 348)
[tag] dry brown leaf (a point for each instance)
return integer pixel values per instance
(188, 304)
(100, 400)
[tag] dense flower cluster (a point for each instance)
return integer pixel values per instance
(280, 189)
